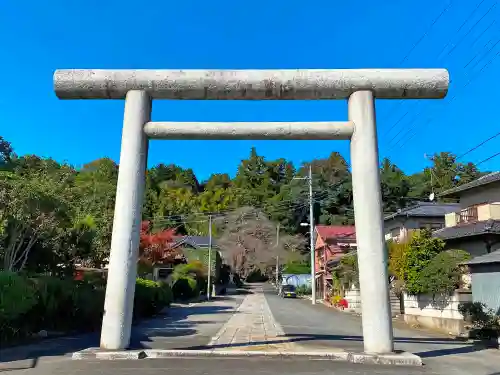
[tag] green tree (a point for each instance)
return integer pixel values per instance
(6, 152)
(94, 197)
(252, 181)
(218, 181)
(422, 249)
(444, 272)
(32, 212)
(394, 185)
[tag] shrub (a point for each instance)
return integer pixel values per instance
(422, 248)
(303, 290)
(396, 257)
(346, 273)
(88, 305)
(17, 296)
(50, 303)
(150, 298)
(484, 321)
(54, 296)
(443, 273)
(191, 271)
(184, 288)
(334, 300)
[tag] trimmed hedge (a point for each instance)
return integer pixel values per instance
(150, 298)
(185, 288)
(189, 280)
(29, 305)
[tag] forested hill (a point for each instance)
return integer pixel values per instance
(33, 187)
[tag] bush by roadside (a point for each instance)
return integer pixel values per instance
(303, 290)
(189, 280)
(485, 323)
(29, 305)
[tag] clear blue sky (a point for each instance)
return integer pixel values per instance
(38, 37)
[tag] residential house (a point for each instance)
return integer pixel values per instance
(485, 280)
(332, 242)
(192, 248)
(422, 215)
(475, 225)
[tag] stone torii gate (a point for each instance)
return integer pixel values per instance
(359, 86)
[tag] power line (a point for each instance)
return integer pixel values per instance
(427, 32)
(439, 59)
(479, 145)
(415, 45)
(411, 128)
(461, 26)
(473, 26)
(484, 55)
(479, 37)
(489, 158)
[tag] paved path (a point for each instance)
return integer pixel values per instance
(320, 328)
(252, 327)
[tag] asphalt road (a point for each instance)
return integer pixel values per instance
(311, 326)
(213, 366)
(317, 327)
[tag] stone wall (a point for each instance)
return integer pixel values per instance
(440, 313)
(353, 298)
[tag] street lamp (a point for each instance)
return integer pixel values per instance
(304, 224)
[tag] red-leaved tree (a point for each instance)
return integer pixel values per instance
(157, 247)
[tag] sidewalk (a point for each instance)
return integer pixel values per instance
(183, 326)
(252, 327)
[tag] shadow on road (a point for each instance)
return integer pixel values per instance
(173, 325)
(298, 338)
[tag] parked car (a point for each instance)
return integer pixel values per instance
(288, 291)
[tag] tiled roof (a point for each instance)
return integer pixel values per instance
(493, 257)
(487, 179)
(468, 230)
(426, 209)
(336, 231)
(195, 241)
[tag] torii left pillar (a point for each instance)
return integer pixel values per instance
(120, 290)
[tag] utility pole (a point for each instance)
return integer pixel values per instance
(277, 256)
(209, 276)
(311, 231)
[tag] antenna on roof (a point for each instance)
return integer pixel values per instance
(432, 195)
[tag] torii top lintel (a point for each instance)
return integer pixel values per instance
(303, 84)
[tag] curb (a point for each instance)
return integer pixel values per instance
(397, 359)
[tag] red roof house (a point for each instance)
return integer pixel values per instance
(332, 242)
